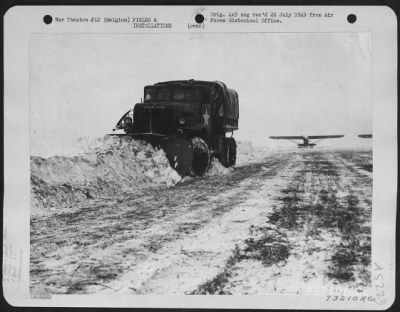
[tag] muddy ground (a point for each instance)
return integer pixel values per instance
(296, 222)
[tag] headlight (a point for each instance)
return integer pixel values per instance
(181, 122)
(127, 120)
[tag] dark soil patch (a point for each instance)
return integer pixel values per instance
(287, 215)
(355, 248)
(266, 249)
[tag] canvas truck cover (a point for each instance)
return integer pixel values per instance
(226, 99)
(230, 107)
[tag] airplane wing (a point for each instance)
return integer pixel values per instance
(365, 136)
(315, 137)
(298, 137)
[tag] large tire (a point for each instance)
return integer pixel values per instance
(232, 149)
(224, 157)
(228, 155)
(179, 153)
(201, 156)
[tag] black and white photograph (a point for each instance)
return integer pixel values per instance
(202, 162)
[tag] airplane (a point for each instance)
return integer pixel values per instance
(306, 139)
(365, 136)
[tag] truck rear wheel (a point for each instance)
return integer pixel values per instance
(232, 151)
(228, 155)
(201, 156)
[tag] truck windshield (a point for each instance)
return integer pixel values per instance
(157, 94)
(176, 94)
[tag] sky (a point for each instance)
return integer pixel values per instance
(288, 83)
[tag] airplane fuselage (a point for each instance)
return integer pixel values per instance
(306, 145)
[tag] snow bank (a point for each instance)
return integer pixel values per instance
(105, 167)
(216, 168)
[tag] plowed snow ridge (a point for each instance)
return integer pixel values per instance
(110, 165)
(103, 168)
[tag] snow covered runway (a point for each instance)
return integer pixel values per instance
(255, 230)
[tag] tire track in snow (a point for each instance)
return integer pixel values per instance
(180, 266)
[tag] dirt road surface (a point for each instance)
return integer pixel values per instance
(296, 222)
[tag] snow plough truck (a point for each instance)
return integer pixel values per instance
(191, 120)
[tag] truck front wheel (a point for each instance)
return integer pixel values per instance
(201, 156)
